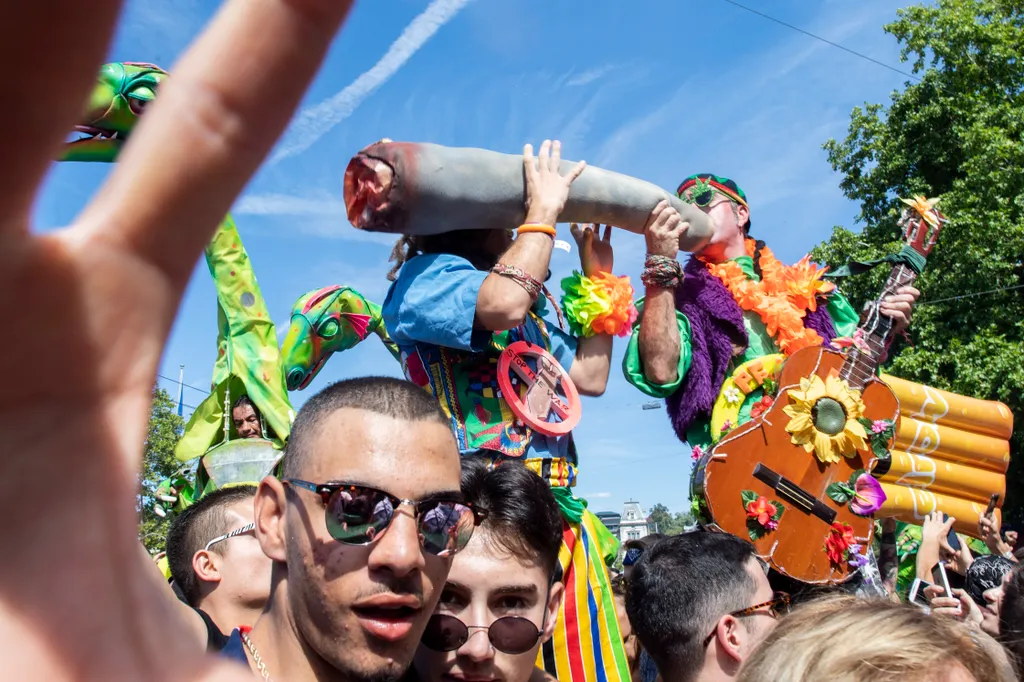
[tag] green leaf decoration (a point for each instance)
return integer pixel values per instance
(854, 476)
(880, 448)
(779, 509)
(840, 493)
(748, 497)
(754, 531)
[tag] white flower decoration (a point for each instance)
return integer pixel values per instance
(732, 395)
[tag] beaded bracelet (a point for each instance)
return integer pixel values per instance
(526, 228)
(520, 277)
(662, 272)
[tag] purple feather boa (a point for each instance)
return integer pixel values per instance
(716, 330)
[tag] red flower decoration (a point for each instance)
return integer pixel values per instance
(762, 511)
(761, 406)
(838, 541)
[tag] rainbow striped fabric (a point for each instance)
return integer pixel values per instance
(587, 644)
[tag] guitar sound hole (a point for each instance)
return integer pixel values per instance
(829, 416)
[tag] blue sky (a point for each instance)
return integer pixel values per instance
(658, 90)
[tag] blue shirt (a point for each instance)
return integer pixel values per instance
(430, 313)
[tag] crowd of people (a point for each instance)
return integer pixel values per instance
(419, 529)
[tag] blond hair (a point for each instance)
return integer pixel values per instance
(846, 639)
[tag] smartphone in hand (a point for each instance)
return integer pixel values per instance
(917, 595)
(951, 537)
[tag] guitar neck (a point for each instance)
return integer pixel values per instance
(876, 331)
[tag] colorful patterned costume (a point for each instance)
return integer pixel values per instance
(430, 313)
(717, 336)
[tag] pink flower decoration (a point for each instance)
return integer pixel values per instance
(878, 426)
(727, 426)
(697, 452)
(772, 524)
(868, 495)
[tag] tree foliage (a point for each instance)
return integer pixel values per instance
(158, 463)
(661, 520)
(956, 134)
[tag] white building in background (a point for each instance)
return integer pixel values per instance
(633, 522)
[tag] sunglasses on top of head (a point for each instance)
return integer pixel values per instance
(359, 514)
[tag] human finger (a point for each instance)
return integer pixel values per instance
(934, 592)
(556, 156)
(65, 41)
(576, 232)
(226, 103)
(529, 162)
(607, 233)
(543, 156)
(576, 171)
(910, 290)
(895, 299)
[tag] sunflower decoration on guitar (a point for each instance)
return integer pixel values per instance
(824, 418)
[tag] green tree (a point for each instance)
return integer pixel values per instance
(661, 520)
(956, 134)
(158, 463)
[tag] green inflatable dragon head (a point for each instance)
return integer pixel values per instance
(327, 321)
(122, 93)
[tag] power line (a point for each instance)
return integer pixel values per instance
(971, 295)
(824, 40)
(200, 390)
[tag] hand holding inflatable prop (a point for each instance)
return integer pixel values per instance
(423, 189)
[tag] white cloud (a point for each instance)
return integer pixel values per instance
(589, 76)
(314, 122)
(286, 204)
(323, 216)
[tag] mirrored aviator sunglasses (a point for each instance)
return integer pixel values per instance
(358, 514)
(508, 634)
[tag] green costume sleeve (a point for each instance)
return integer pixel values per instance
(248, 359)
(844, 317)
(632, 365)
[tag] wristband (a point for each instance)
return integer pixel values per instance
(601, 304)
(526, 228)
(520, 277)
(662, 272)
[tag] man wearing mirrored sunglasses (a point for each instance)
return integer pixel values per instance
(700, 604)
(501, 599)
(359, 558)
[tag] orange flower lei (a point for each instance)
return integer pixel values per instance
(782, 297)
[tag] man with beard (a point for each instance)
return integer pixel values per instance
(357, 567)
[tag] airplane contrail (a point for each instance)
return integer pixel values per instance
(314, 122)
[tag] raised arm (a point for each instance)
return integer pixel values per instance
(660, 342)
(506, 298)
(589, 371)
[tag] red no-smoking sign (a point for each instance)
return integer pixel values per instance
(566, 406)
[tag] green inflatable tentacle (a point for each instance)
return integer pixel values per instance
(248, 359)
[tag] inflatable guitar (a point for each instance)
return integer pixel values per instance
(798, 480)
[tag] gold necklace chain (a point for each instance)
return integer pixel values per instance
(260, 665)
